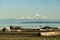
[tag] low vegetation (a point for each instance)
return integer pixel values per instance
(26, 34)
(18, 37)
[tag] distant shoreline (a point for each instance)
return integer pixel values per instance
(40, 22)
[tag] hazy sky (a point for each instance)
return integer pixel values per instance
(19, 8)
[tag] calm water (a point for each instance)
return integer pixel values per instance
(30, 25)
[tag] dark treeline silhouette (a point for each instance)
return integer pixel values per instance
(16, 27)
(4, 30)
(48, 27)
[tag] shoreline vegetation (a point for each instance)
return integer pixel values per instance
(42, 31)
(19, 33)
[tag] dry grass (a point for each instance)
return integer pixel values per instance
(17, 36)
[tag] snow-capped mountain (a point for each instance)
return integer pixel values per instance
(31, 19)
(37, 16)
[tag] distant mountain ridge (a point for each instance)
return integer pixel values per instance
(29, 21)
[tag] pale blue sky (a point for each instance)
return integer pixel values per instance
(19, 8)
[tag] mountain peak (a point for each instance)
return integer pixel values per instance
(37, 16)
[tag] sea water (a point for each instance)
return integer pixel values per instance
(29, 25)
